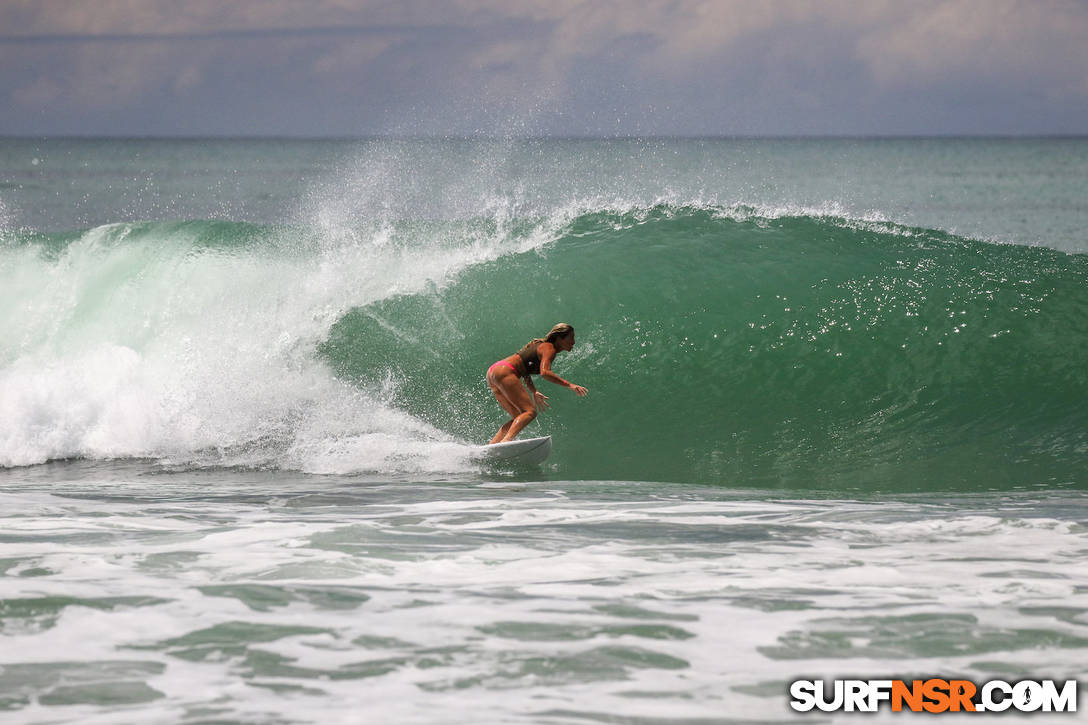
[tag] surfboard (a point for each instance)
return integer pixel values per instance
(527, 451)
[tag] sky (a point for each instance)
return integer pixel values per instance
(348, 68)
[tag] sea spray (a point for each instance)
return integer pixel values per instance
(803, 334)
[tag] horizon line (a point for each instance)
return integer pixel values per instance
(532, 137)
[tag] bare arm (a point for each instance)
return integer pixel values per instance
(547, 354)
(540, 400)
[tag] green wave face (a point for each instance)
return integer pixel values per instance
(728, 347)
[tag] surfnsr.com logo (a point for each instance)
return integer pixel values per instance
(934, 695)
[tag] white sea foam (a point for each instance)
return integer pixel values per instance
(157, 347)
(475, 604)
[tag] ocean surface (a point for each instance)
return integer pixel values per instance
(837, 426)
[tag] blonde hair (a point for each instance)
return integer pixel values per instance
(560, 330)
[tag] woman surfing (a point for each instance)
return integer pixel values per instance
(522, 401)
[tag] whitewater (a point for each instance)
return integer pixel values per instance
(836, 426)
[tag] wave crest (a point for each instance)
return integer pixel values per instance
(734, 344)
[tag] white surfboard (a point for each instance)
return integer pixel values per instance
(528, 451)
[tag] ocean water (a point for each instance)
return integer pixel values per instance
(837, 426)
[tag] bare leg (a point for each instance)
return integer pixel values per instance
(518, 423)
(502, 432)
(515, 400)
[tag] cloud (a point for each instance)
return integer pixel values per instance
(990, 41)
(716, 65)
